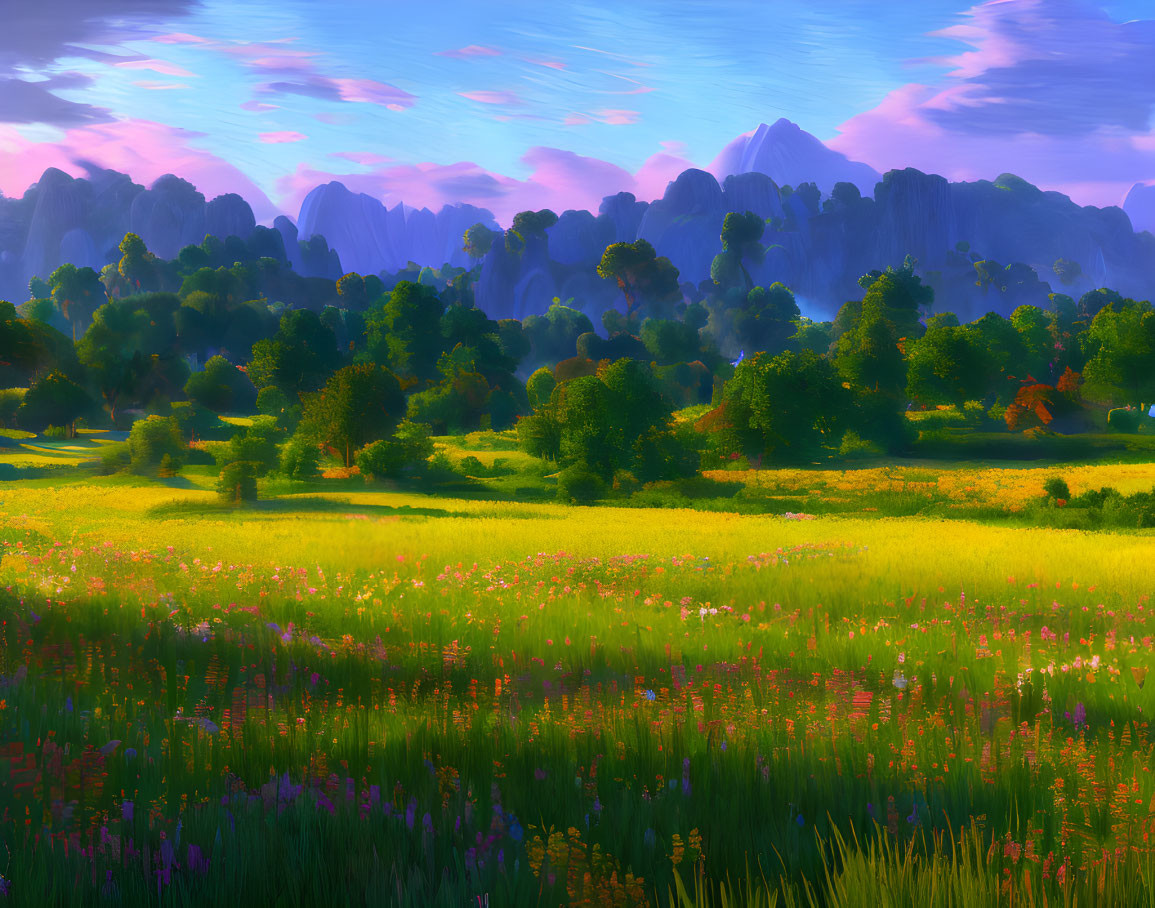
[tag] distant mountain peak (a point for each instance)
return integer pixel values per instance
(788, 154)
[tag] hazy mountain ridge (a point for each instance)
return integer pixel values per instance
(822, 233)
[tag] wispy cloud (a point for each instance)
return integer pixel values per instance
(618, 117)
(508, 98)
(157, 66)
(279, 138)
(159, 86)
(1053, 90)
(180, 38)
(470, 52)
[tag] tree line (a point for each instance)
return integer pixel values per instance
(373, 365)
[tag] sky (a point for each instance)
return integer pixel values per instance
(515, 104)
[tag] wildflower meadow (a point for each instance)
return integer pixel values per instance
(384, 698)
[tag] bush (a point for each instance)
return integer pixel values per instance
(299, 459)
(1123, 420)
(151, 439)
(1056, 487)
(471, 466)
(406, 451)
(257, 445)
(539, 387)
(10, 400)
(197, 422)
(238, 482)
(272, 402)
(55, 432)
(580, 485)
(854, 447)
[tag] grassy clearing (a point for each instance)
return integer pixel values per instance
(441, 698)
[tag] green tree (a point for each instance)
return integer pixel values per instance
(77, 293)
(358, 404)
(868, 354)
(539, 387)
(784, 407)
(1031, 324)
(220, 387)
(391, 458)
(299, 357)
(238, 482)
(1122, 366)
(589, 433)
(947, 365)
(644, 278)
(405, 332)
(478, 240)
(741, 241)
(154, 442)
(54, 400)
(553, 336)
(137, 265)
(352, 292)
(1005, 351)
(256, 444)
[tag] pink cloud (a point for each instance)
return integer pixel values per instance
(491, 97)
(278, 138)
(558, 180)
(469, 52)
(900, 133)
(180, 38)
(141, 148)
(657, 173)
(1056, 92)
(618, 117)
(160, 66)
(258, 106)
(369, 92)
(159, 86)
(551, 64)
(283, 61)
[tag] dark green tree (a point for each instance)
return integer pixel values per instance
(358, 404)
(54, 400)
(77, 293)
(644, 278)
(405, 332)
(220, 387)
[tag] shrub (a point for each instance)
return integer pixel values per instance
(10, 400)
(299, 459)
(539, 387)
(238, 482)
(197, 422)
(406, 451)
(1124, 420)
(1056, 487)
(257, 445)
(151, 439)
(471, 466)
(579, 484)
(272, 401)
(854, 446)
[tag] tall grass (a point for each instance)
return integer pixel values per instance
(399, 699)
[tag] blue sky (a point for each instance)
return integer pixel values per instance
(269, 98)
